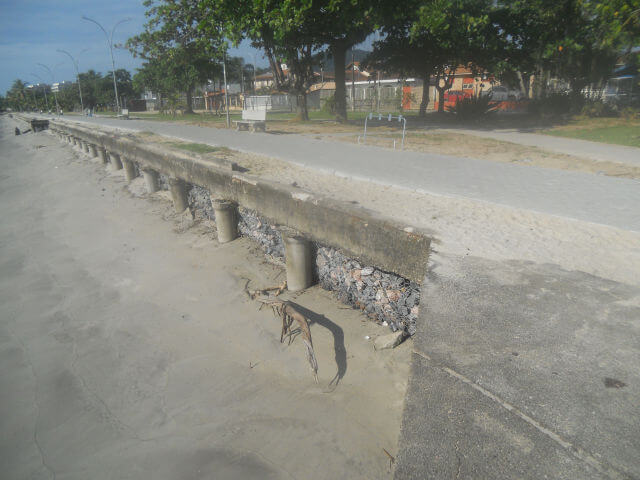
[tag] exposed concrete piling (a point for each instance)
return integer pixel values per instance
(129, 169)
(370, 262)
(85, 146)
(226, 219)
(74, 140)
(93, 150)
(298, 259)
(151, 179)
(115, 161)
(178, 190)
(102, 153)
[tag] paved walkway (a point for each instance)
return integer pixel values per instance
(522, 371)
(601, 152)
(577, 195)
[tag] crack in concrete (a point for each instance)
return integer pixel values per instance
(36, 404)
(578, 452)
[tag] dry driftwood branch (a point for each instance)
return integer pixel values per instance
(392, 460)
(288, 313)
(266, 292)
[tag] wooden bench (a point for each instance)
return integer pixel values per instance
(252, 120)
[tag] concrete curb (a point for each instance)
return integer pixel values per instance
(362, 234)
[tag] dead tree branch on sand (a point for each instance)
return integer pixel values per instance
(288, 313)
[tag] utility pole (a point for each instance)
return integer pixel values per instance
(75, 65)
(242, 76)
(353, 85)
(226, 90)
(254, 73)
(110, 43)
(378, 91)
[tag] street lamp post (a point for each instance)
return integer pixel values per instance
(44, 90)
(75, 65)
(110, 43)
(55, 95)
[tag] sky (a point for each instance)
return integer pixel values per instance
(31, 32)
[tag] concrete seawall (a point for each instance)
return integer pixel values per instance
(363, 238)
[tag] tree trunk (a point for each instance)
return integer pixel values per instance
(302, 113)
(523, 88)
(339, 52)
(441, 91)
(425, 93)
(189, 100)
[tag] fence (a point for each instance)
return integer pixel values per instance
(271, 103)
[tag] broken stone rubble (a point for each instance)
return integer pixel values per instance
(382, 296)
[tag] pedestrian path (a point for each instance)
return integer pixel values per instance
(581, 196)
(600, 152)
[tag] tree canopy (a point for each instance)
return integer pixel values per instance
(525, 42)
(178, 55)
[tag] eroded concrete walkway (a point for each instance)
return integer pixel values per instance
(522, 371)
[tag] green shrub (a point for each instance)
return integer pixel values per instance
(556, 104)
(598, 108)
(473, 108)
(329, 105)
(630, 113)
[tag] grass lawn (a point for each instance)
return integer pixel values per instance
(606, 130)
(197, 147)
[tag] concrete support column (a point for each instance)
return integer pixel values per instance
(226, 220)
(69, 139)
(178, 190)
(115, 161)
(85, 146)
(74, 140)
(151, 179)
(93, 151)
(129, 169)
(102, 153)
(297, 252)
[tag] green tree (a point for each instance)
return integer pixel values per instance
(18, 96)
(287, 30)
(433, 38)
(346, 23)
(567, 39)
(92, 87)
(172, 38)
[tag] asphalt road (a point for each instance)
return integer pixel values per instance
(592, 198)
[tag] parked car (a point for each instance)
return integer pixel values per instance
(504, 94)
